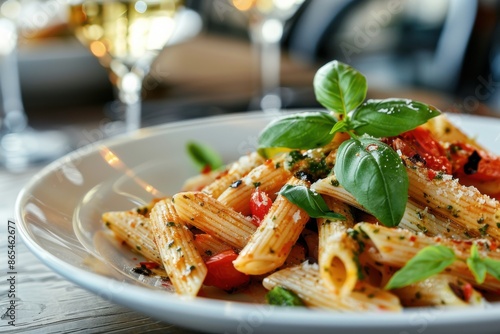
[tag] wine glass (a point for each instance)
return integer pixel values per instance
(266, 24)
(20, 145)
(126, 36)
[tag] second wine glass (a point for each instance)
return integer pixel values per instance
(266, 24)
(126, 36)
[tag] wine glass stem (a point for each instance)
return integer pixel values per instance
(129, 88)
(270, 65)
(266, 35)
(132, 116)
(13, 116)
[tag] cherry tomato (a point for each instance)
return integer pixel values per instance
(467, 291)
(476, 167)
(420, 141)
(221, 272)
(473, 163)
(260, 202)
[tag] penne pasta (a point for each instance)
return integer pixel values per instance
(268, 177)
(135, 230)
(208, 246)
(201, 181)
(179, 255)
(237, 170)
(396, 246)
(305, 281)
(444, 131)
(337, 252)
(439, 290)
(214, 218)
(270, 245)
(477, 214)
(417, 218)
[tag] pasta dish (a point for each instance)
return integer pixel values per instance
(370, 205)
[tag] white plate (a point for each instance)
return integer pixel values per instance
(58, 216)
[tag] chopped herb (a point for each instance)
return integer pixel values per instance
(334, 182)
(439, 176)
(480, 220)
(422, 228)
(294, 157)
(170, 224)
(280, 296)
(483, 229)
(256, 184)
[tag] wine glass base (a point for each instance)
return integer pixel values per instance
(21, 150)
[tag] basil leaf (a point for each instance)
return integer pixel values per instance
(283, 297)
(427, 262)
(339, 87)
(492, 267)
(390, 117)
(476, 265)
(480, 266)
(309, 201)
(375, 175)
(298, 131)
(203, 156)
(339, 126)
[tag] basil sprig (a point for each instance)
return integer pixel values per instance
(309, 201)
(378, 177)
(432, 260)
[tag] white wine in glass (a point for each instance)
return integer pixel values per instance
(266, 23)
(126, 36)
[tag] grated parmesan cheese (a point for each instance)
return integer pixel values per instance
(296, 216)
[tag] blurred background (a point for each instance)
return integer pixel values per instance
(443, 52)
